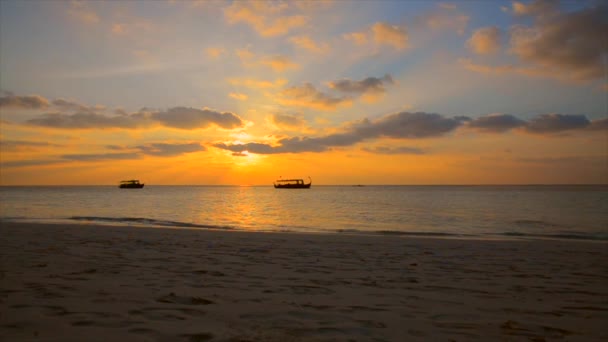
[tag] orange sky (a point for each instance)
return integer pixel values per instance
(346, 92)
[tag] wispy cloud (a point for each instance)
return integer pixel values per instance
(381, 33)
(81, 11)
(306, 43)
(266, 18)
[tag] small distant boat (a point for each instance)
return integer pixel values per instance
(292, 184)
(131, 184)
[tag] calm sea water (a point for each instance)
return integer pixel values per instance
(568, 212)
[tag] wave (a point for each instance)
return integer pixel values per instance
(560, 235)
(399, 233)
(148, 222)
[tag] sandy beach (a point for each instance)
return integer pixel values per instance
(108, 283)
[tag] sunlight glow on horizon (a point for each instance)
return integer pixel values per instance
(348, 92)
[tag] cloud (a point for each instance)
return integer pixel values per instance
(74, 106)
(23, 102)
(444, 18)
(238, 96)
(372, 87)
(285, 121)
(101, 156)
(80, 11)
(137, 152)
(572, 43)
(86, 120)
(391, 35)
(381, 33)
(535, 8)
(169, 150)
(308, 96)
(215, 53)
(26, 163)
(569, 46)
(306, 43)
(496, 123)
(553, 123)
(359, 38)
(257, 84)
(403, 125)
(393, 150)
(19, 145)
(264, 17)
(407, 125)
(510, 69)
(279, 63)
(176, 117)
(485, 40)
(192, 118)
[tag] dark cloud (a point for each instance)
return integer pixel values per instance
(25, 163)
(23, 102)
(553, 123)
(402, 125)
(178, 117)
(88, 120)
(24, 144)
(572, 43)
(74, 106)
(192, 118)
(168, 150)
(394, 150)
(100, 156)
(496, 123)
(308, 96)
(368, 85)
(408, 125)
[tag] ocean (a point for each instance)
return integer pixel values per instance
(493, 212)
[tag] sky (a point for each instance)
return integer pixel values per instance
(345, 92)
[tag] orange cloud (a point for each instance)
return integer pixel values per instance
(394, 36)
(215, 53)
(306, 43)
(79, 11)
(279, 63)
(238, 96)
(485, 40)
(251, 83)
(381, 34)
(264, 17)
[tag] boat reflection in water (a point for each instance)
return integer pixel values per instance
(292, 184)
(131, 184)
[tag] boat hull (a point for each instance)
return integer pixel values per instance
(292, 186)
(131, 186)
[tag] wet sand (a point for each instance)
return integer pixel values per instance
(103, 283)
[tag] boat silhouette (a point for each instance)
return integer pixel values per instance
(292, 184)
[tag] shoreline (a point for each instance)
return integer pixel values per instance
(97, 282)
(146, 223)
